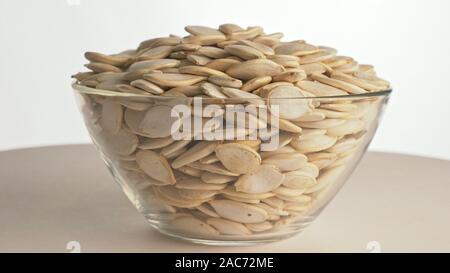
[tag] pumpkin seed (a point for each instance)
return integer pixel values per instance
(238, 158)
(212, 52)
(214, 178)
(222, 64)
(244, 52)
(111, 117)
(290, 75)
(353, 89)
(151, 65)
(287, 161)
(201, 71)
(122, 143)
(225, 81)
(172, 79)
(320, 89)
(212, 90)
(197, 184)
(114, 60)
(198, 60)
(196, 152)
(259, 227)
(321, 56)
(322, 124)
(313, 68)
(351, 126)
(202, 30)
(264, 179)
(296, 49)
(298, 179)
(313, 144)
(147, 86)
(228, 227)
(207, 209)
(158, 122)
(155, 166)
(239, 212)
(229, 28)
(231, 191)
(254, 68)
(159, 52)
(209, 39)
(102, 67)
(256, 83)
(192, 225)
(290, 102)
(175, 146)
(356, 81)
(247, 34)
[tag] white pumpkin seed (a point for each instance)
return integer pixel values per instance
(155, 166)
(214, 178)
(290, 102)
(254, 68)
(111, 117)
(286, 162)
(264, 179)
(239, 212)
(256, 83)
(238, 158)
(173, 79)
(313, 144)
(244, 52)
(191, 225)
(158, 122)
(198, 151)
(228, 227)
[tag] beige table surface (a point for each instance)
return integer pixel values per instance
(50, 196)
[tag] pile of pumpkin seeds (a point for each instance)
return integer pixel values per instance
(230, 187)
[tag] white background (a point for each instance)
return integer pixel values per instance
(42, 44)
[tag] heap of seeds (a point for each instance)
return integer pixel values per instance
(230, 187)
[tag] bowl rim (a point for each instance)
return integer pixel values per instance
(102, 92)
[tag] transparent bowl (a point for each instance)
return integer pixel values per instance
(269, 184)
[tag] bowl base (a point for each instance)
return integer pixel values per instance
(282, 233)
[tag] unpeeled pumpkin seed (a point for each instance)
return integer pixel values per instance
(155, 166)
(122, 143)
(254, 68)
(264, 179)
(214, 178)
(228, 227)
(172, 79)
(256, 83)
(222, 64)
(192, 225)
(197, 184)
(286, 162)
(111, 117)
(115, 60)
(239, 212)
(225, 81)
(198, 151)
(313, 144)
(147, 86)
(159, 52)
(290, 102)
(244, 52)
(102, 67)
(238, 158)
(159, 121)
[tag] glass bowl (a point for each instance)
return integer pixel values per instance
(230, 171)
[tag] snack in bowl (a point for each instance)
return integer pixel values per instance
(230, 135)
